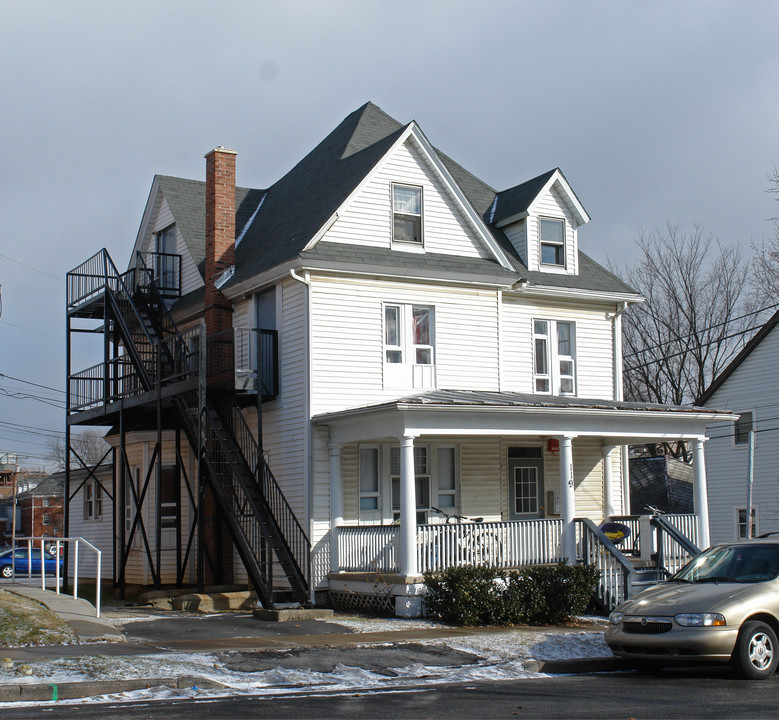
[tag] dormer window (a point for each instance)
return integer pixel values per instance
(407, 214)
(552, 233)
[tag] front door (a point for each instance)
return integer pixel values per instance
(526, 483)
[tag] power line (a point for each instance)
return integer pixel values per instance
(29, 382)
(34, 332)
(42, 272)
(704, 329)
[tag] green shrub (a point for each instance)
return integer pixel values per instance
(539, 595)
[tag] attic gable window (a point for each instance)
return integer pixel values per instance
(407, 214)
(552, 241)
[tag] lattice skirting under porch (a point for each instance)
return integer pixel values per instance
(357, 602)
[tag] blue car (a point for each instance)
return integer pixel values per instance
(25, 560)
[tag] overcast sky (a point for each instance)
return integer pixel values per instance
(655, 111)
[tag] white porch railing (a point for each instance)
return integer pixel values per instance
(374, 548)
(686, 524)
(368, 548)
(53, 548)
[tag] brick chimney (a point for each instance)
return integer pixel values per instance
(220, 235)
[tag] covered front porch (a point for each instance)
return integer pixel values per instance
(542, 473)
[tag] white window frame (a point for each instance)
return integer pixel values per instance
(373, 513)
(402, 369)
(736, 426)
(93, 500)
(561, 245)
(739, 524)
(554, 378)
(405, 213)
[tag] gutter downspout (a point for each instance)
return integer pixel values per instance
(306, 280)
(618, 395)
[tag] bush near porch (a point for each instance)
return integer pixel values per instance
(539, 595)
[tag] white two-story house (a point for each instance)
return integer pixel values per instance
(432, 351)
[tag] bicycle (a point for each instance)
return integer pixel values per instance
(468, 546)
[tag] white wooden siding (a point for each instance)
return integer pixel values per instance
(368, 219)
(751, 387)
(347, 340)
(98, 531)
(550, 204)
(517, 234)
(594, 345)
(190, 276)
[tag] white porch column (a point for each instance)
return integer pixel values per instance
(567, 500)
(408, 508)
(700, 493)
(336, 504)
(608, 481)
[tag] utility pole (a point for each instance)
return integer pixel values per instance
(750, 481)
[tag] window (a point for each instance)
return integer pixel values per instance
(169, 495)
(93, 501)
(552, 233)
(741, 523)
(409, 348)
(742, 427)
(46, 519)
(369, 479)
(165, 260)
(554, 357)
(406, 214)
(422, 481)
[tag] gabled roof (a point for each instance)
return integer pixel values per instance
(298, 205)
(746, 351)
(283, 222)
(187, 202)
(516, 202)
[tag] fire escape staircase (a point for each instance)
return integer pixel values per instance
(261, 522)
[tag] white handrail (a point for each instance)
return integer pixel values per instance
(58, 543)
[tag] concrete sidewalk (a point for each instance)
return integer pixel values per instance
(167, 634)
(77, 613)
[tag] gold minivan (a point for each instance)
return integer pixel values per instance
(723, 606)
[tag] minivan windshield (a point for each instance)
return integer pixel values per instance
(732, 563)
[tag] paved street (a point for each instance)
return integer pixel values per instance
(686, 693)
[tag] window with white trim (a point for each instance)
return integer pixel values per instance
(370, 488)
(93, 501)
(554, 357)
(409, 347)
(407, 214)
(552, 237)
(436, 481)
(741, 523)
(741, 428)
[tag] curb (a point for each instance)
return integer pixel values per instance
(577, 666)
(42, 692)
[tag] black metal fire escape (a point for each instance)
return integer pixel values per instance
(154, 373)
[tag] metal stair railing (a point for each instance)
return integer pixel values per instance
(674, 548)
(291, 531)
(256, 535)
(616, 572)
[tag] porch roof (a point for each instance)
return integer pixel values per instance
(473, 412)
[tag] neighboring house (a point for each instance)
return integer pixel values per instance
(746, 387)
(42, 508)
(91, 516)
(663, 482)
(414, 339)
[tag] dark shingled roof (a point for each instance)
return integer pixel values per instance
(296, 207)
(517, 199)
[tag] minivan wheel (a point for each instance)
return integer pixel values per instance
(757, 652)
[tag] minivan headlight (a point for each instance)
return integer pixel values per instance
(699, 619)
(616, 618)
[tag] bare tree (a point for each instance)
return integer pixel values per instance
(764, 274)
(88, 445)
(694, 319)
